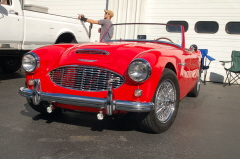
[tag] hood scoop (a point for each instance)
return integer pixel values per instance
(92, 51)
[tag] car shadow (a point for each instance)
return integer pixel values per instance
(8, 76)
(85, 119)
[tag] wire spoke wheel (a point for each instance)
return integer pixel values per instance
(165, 101)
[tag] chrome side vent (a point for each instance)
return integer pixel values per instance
(92, 51)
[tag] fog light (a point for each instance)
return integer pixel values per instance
(138, 92)
(31, 82)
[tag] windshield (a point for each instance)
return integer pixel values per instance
(145, 32)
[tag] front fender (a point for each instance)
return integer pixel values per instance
(49, 56)
(158, 64)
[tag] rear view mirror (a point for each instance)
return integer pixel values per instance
(193, 48)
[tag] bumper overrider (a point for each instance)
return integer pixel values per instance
(102, 103)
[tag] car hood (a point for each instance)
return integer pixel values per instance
(114, 56)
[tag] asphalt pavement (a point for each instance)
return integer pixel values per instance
(206, 127)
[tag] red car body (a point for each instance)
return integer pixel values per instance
(114, 57)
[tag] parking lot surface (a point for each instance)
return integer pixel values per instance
(205, 127)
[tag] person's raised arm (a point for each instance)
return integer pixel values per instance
(82, 18)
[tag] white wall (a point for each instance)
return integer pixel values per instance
(220, 44)
(92, 9)
(128, 11)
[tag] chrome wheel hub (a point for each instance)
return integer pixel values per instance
(165, 101)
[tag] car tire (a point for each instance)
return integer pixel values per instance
(10, 64)
(166, 102)
(42, 107)
(195, 91)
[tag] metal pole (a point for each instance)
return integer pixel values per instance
(106, 4)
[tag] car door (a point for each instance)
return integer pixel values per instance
(11, 22)
(194, 69)
(184, 66)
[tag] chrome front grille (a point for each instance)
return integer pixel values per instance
(85, 78)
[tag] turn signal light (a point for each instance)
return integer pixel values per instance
(138, 92)
(31, 82)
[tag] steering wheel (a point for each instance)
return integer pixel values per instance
(164, 38)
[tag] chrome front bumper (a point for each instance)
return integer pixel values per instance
(110, 105)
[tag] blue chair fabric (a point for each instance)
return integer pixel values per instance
(206, 61)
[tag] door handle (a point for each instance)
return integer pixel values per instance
(13, 12)
(182, 64)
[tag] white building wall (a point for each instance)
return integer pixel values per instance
(219, 45)
(128, 11)
(92, 9)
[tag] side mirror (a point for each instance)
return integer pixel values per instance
(193, 48)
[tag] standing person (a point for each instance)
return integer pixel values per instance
(105, 23)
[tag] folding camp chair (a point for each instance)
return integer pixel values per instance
(206, 60)
(233, 73)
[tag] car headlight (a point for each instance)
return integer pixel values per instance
(139, 70)
(30, 62)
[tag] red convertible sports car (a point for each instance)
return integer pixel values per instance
(142, 68)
